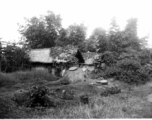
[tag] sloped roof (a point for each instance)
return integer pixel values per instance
(40, 55)
(58, 54)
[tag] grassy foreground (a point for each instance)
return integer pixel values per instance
(130, 103)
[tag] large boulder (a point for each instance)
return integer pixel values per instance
(76, 75)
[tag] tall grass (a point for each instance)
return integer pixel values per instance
(102, 107)
(34, 75)
(130, 103)
(9, 79)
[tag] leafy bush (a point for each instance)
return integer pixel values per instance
(144, 57)
(148, 68)
(128, 64)
(14, 58)
(132, 55)
(108, 58)
(36, 96)
(132, 77)
(129, 71)
(111, 71)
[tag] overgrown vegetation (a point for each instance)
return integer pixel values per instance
(34, 76)
(122, 53)
(129, 104)
(13, 58)
(119, 49)
(127, 70)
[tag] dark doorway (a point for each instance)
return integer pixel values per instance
(79, 57)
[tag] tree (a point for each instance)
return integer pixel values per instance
(114, 27)
(98, 40)
(115, 37)
(119, 41)
(14, 58)
(62, 39)
(131, 28)
(42, 32)
(91, 45)
(76, 34)
(130, 34)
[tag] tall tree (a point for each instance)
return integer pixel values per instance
(63, 38)
(42, 32)
(98, 40)
(76, 34)
(130, 34)
(131, 28)
(114, 37)
(114, 27)
(14, 58)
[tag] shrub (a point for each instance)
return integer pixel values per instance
(129, 71)
(128, 64)
(14, 58)
(108, 58)
(144, 56)
(112, 71)
(37, 96)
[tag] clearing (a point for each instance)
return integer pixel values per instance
(131, 102)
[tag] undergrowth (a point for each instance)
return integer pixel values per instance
(9, 79)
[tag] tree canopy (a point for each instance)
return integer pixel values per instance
(43, 31)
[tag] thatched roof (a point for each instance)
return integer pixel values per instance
(49, 55)
(40, 55)
(60, 54)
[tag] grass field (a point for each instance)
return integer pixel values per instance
(130, 103)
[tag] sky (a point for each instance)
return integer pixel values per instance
(93, 13)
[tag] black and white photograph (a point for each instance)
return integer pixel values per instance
(75, 59)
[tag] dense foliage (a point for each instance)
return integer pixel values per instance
(14, 58)
(124, 54)
(41, 32)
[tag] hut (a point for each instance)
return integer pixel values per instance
(55, 59)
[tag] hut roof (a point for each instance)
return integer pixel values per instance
(40, 55)
(58, 54)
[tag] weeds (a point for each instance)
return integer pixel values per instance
(130, 103)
